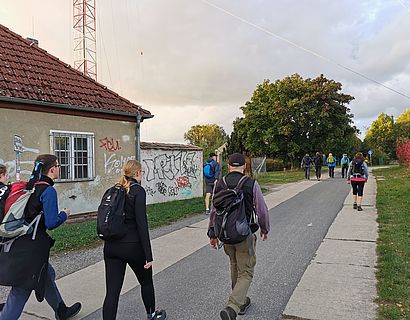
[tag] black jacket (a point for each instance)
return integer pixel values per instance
(136, 219)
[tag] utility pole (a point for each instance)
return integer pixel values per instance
(85, 43)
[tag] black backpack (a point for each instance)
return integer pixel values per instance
(111, 214)
(318, 160)
(357, 169)
(307, 161)
(232, 225)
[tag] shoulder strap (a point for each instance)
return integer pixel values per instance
(241, 183)
(224, 184)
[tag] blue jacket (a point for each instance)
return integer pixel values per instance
(333, 164)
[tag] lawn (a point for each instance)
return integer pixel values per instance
(393, 245)
(280, 177)
(81, 235)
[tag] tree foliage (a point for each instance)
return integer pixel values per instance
(207, 136)
(292, 116)
(380, 136)
(402, 127)
(385, 134)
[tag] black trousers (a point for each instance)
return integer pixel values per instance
(116, 257)
(345, 167)
(318, 171)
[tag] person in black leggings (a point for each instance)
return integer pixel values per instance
(358, 175)
(133, 249)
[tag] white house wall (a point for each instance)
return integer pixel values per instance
(172, 174)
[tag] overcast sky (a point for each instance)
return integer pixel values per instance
(200, 64)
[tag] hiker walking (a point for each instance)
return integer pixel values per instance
(306, 164)
(318, 161)
(43, 201)
(344, 164)
(133, 248)
(224, 223)
(358, 174)
(211, 173)
(331, 163)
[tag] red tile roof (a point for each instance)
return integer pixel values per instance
(30, 73)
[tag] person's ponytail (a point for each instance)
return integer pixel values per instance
(124, 182)
(129, 171)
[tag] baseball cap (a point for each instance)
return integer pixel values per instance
(236, 160)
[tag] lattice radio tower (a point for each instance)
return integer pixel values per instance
(85, 43)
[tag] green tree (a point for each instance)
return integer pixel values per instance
(237, 137)
(292, 116)
(207, 136)
(402, 126)
(381, 135)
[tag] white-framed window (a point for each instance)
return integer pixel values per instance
(75, 153)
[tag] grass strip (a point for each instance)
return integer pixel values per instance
(280, 177)
(393, 245)
(80, 235)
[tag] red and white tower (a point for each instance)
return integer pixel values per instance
(85, 43)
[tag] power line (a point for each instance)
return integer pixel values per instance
(404, 5)
(294, 44)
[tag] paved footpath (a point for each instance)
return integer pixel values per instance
(340, 281)
(192, 280)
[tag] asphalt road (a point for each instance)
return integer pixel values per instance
(197, 287)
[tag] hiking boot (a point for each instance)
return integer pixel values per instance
(228, 314)
(64, 312)
(245, 306)
(207, 211)
(359, 208)
(355, 205)
(158, 315)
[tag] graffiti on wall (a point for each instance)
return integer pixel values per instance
(11, 163)
(173, 175)
(169, 166)
(110, 144)
(113, 163)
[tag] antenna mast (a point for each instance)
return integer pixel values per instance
(85, 44)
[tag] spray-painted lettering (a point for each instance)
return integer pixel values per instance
(114, 163)
(110, 145)
(167, 167)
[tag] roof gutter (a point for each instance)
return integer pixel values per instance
(71, 107)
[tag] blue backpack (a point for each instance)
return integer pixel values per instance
(209, 169)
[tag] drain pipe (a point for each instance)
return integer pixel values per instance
(138, 138)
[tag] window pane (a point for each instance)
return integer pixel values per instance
(74, 152)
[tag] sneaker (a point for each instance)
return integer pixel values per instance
(228, 314)
(245, 307)
(359, 208)
(64, 312)
(355, 205)
(158, 315)
(207, 211)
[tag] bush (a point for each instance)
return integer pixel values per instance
(274, 165)
(403, 152)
